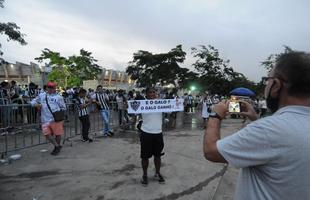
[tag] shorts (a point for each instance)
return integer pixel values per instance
(53, 128)
(151, 144)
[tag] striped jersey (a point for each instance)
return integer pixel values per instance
(81, 111)
(103, 99)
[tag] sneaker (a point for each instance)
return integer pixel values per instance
(159, 178)
(56, 151)
(84, 140)
(144, 181)
(90, 140)
(111, 133)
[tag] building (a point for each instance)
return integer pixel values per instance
(114, 79)
(23, 74)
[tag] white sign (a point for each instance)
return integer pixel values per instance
(155, 105)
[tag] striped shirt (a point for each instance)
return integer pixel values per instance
(81, 111)
(103, 99)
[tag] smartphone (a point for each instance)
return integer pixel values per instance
(234, 107)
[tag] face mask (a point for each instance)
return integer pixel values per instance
(273, 102)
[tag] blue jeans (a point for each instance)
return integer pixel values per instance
(106, 120)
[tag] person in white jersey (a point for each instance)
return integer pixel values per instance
(151, 140)
(272, 152)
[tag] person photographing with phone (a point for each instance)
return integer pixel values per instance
(272, 152)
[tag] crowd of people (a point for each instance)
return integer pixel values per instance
(272, 152)
(106, 100)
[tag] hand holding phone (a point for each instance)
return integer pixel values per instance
(248, 111)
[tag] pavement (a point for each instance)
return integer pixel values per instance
(110, 169)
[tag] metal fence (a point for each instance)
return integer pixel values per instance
(20, 126)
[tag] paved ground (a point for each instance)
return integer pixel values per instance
(110, 169)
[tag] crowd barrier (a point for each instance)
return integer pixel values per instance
(20, 125)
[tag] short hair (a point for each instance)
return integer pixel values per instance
(148, 89)
(82, 91)
(294, 67)
(4, 83)
(99, 86)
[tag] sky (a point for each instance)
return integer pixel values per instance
(244, 31)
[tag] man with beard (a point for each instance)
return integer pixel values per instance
(272, 152)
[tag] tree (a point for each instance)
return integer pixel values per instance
(148, 69)
(215, 74)
(84, 66)
(60, 66)
(271, 60)
(211, 68)
(73, 70)
(11, 30)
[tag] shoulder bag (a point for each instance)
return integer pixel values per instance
(58, 115)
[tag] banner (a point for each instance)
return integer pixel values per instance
(155, 105)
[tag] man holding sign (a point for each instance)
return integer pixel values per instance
(151, 137)
(151, 140)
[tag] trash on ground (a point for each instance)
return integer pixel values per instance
(15, 157)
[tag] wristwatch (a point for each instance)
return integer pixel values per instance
(215, 115)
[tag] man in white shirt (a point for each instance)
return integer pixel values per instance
(272, 152)
(151, 140)
(49, 103)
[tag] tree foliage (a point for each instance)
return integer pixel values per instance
(149, 69)
(12, 31)
(73, 70)
(84, 65)
(215, 74)
(271, 60)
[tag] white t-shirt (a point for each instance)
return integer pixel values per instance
(120, 102)
(152, 123)
(204, 112)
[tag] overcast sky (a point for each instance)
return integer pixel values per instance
(244, 31)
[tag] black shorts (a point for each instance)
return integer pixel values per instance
(151, 144)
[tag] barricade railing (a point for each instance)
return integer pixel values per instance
(20, 126)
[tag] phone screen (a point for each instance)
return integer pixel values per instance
(234, 107)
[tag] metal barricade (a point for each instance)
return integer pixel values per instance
(20, 126)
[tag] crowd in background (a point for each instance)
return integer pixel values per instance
(11, 93)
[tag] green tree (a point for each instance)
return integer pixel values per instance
(11, 30)
(73, 70)
(84, 66)
(60, 66)
(149, 69)
(271, 60)
(215, 74)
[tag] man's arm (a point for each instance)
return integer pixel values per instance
(212, 135)
(36, 102)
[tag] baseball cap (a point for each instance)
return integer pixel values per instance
(51, 84)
